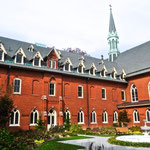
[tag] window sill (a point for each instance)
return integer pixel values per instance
(105, 122)
(80, 122)
(104, 99)
(52, 95)
(17, 93)
(14, 125)
(137, 122)
(31, 125)
(93, 122)
(80, 97)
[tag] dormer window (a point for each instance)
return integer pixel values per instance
(67, 65)
(52, 64)
(2, 52)
(37, 58)
(31, 48)
(36, 61)
(103, 73)
(122, 76)
(1, 55)
(19, 56)
(92, 69)
(80, 69)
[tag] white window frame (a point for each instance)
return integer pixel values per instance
(68, 112)
(115, 117)
(39, 62)
(82, 91)
(146, 115)
(136, 98)
(106, 119)
(20, 51)
(54, 113)
(81, 69)
(79, 113)
(52, 62)
(33, 124)
(15, 125)
(14, 86)
(124, 95)
(105, 94)
(54, 89)
(3, 51)
(93, 113)
(149, 89)
(135, 112)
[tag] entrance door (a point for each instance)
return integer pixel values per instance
(51, 119)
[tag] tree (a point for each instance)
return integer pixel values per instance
(123, 118)
(76, 50)
(67, 123)
(6, 106)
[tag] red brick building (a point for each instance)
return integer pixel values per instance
(50, 82)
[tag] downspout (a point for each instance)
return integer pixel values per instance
(87, 101)
(8, 79)
(62, 97)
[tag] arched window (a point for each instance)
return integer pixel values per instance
(17, 86)
(93, 117)
(136, 117)
(149, 89)
(105, 117)
(34, 117)
(15, 118)
(52, 87)
(134, 93)
(148, 115)
(67, 114)
(115, 117)
(52, 118)
(80, 117)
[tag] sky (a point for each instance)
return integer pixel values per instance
(80, 24)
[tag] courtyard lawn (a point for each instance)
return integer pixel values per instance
(55, 145)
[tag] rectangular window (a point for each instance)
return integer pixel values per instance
(80, 69)
(103, 93)
(123, 95)
(80, 91)
(36, 61)
(17, 86)
(52, 89)
(54, 64)
(66, 67)
(19, 58)
(1, 53)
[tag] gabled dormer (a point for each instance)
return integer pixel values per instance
(20, 56)
(52, 58)
(92, 69)
(103, 71)
(123, 74)
(2, 52)
(67, 65)
(31, 48)
(81, 65)
(37, 59)
(114, 73)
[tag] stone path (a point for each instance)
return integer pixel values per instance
(99, 141)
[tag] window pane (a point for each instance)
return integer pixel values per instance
(12, 118)
(80, 69)
(79, 91)
(122, 94)
(103, 94)
(67, 67)
(36, 61)
(16, 118)
(35, 119)
(19, 58)
(17, 86)
(52, 88)
(1, 55)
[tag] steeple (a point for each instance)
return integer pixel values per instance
(113, 38)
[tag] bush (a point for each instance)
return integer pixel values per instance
(76, 129)
(107, 130)
(135, 128)
(56, 129)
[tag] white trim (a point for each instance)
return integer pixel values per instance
(20, 51)
(57, 53)
(54, 113)
(51, 66)
(134, 90)
(105, 94)
(115, 121)
(54, 89)
(79, 113)
(149, 89)
(124, 95)
(94, 69)
(15, 125)
(135, 112)
(19, 86)
(105, 121)
(33, 124)
(115, 72)
(92, 114)
(146, 115)
(38, 55)
(68, 61)
(82, 91)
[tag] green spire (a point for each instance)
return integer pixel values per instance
(113, 38)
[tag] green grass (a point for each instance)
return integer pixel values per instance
(55, 145)
(113, 140)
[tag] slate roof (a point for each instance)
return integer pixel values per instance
(133, 61)
(112, 27)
